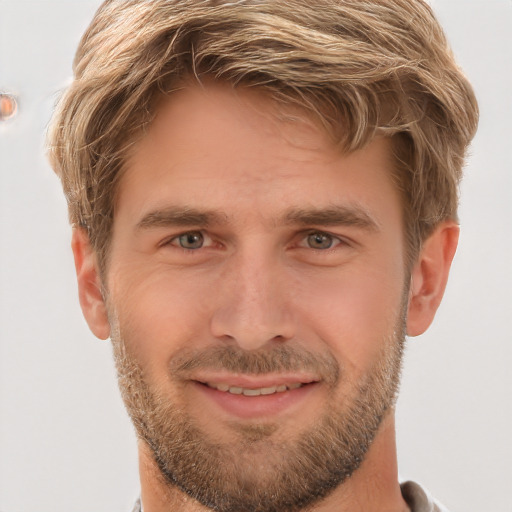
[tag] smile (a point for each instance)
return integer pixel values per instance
(235, 390)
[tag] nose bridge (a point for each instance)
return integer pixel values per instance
(253, 308)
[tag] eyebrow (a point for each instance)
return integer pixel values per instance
(352, 215)
(173, 216)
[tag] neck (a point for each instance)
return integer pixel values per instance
(373, 487)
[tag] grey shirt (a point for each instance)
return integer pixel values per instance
(417, 499)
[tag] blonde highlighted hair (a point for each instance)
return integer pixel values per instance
(361, 68)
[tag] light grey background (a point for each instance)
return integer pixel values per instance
(66, 444)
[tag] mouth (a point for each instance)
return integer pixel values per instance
(252, 397)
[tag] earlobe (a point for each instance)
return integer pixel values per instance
(89, 285)
(430, 275)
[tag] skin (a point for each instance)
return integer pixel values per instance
(211, 149)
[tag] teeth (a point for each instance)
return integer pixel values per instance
(254, 392)
(251, 392)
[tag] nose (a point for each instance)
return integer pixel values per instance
(252, 303)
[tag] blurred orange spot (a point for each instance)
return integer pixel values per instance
(7, 106)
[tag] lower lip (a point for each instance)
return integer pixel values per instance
(251, 407)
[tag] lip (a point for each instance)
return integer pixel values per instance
(262, 406)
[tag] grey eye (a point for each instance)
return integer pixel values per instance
(191, 240)
(320, 240)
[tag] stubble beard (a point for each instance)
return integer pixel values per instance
(257, 471)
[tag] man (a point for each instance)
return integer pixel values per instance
(264, 201)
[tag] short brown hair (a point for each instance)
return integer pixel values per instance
(360, 67)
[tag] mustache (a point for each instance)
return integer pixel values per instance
(233, 359)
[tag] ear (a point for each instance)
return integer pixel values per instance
(89, 285)
(430, 275)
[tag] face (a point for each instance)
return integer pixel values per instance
(256, 294)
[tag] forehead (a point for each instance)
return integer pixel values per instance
(220, 121)
(216, 147)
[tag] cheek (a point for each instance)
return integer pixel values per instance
(160, 312)
(354, 313)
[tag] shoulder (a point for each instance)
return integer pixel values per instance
(419, 499)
